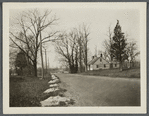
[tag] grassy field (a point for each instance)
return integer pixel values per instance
(129, 73)
(27, 91)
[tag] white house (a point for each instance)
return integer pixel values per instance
(100, 63)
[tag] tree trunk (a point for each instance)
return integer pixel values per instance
(80, 60)
(35, 69)
(76, 62)
(86, 56)
(46, 61)
(73, 69)
(121, 66)
(21, 71)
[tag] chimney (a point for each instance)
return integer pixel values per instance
(92, 57)
(101, 55)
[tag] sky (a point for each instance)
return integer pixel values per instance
(98, 19)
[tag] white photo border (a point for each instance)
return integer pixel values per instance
(76, 110)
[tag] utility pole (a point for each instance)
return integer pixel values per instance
(41, 53)
(48, 64)
(46, 60)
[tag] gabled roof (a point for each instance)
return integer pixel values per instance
(93, 60)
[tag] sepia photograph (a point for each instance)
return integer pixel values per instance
(74, 58)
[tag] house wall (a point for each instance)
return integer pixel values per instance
(101, 62)
(101, 65)
(126, 64)
(117, 65)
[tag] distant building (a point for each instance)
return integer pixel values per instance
(100, 63)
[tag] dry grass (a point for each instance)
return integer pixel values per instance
(27, 91)
(129, 73)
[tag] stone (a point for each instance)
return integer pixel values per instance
(55, 101)
(53, 81)
(53, 85)
(54, 77)
(50, 90)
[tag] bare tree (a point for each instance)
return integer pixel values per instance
(85, 44)
(73, 48)
(107, 54)
(132, 52)
(68, 49)
(82, 35)
(80, 46)
(30, 25)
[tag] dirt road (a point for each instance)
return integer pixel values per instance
(101, 91)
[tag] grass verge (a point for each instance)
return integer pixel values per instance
(27, 91)
(127, 73)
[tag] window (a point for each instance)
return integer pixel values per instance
(97, 66)
(100, 60)
(104, 65)
(115, 65)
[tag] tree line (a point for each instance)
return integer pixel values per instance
(71, 45)
(73, 48)
(29, 36)
(118, 48)
(26, 43)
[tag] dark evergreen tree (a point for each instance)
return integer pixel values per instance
(119, 45)
(20, 63)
